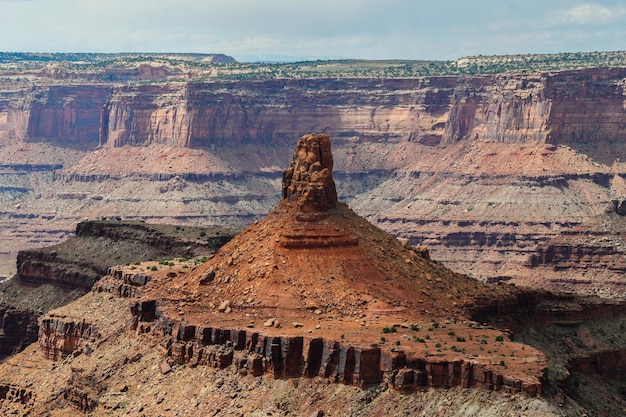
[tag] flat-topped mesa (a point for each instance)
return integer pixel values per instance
(309, 183)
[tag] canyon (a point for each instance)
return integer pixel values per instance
(489, 172)
(517, 179)
(287, 317)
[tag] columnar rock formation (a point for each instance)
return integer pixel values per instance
(313, 263)
(309, 181)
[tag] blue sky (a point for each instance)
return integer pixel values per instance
(320, 29)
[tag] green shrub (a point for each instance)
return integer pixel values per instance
(154, 268)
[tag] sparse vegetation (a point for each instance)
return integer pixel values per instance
(96, 66)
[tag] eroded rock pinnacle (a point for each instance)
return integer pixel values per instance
(309, 181)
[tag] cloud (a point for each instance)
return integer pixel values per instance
(376, 29)
(593, 14)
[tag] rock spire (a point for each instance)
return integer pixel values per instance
(309, 181)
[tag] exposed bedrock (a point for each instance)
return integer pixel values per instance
(254, 353)
(18, 328)
(82, 260)
(59, 337)
(52, 276)
(558, 108)
(481, 169)
(582, 337)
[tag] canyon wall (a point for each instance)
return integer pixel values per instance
(68, 115)
(481, 169)
(557, 108)
(83, 259)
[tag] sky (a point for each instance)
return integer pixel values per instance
(251, 30)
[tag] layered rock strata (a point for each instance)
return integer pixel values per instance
(556, 108)
(80, 262)
(254, 353)
(481, 169)
(312, 257)
(52, 276)
(18, 328)
(59, 337)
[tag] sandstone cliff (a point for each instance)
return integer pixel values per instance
(481, 169)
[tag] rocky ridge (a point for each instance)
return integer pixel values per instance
(54, 276)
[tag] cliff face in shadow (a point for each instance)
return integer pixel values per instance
(56, 275)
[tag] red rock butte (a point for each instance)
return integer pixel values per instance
(309, 289)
